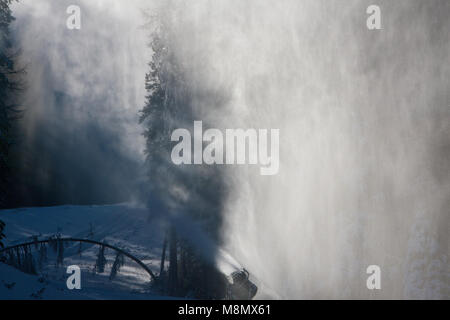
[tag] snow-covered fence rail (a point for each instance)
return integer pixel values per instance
(27, 245)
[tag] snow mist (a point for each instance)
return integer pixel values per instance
(364, 126)
(80, 141)
(364, 174)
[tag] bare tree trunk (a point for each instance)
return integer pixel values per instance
(173, 267)
(163, 256)
(182, 267)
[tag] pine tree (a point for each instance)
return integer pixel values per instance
(9, 87)
(170, 105)
(101, 260)
(156, 115)
(118, 263)
(60, 253)
(42, 255)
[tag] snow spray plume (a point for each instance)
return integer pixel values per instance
(80, 140)
(364, 135)
(363, 115)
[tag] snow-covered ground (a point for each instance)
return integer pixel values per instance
(125, 226)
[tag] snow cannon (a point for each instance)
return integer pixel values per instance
(241, 288)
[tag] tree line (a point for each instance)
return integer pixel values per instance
(10, 86)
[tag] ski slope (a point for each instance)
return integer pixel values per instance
(125, 226)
